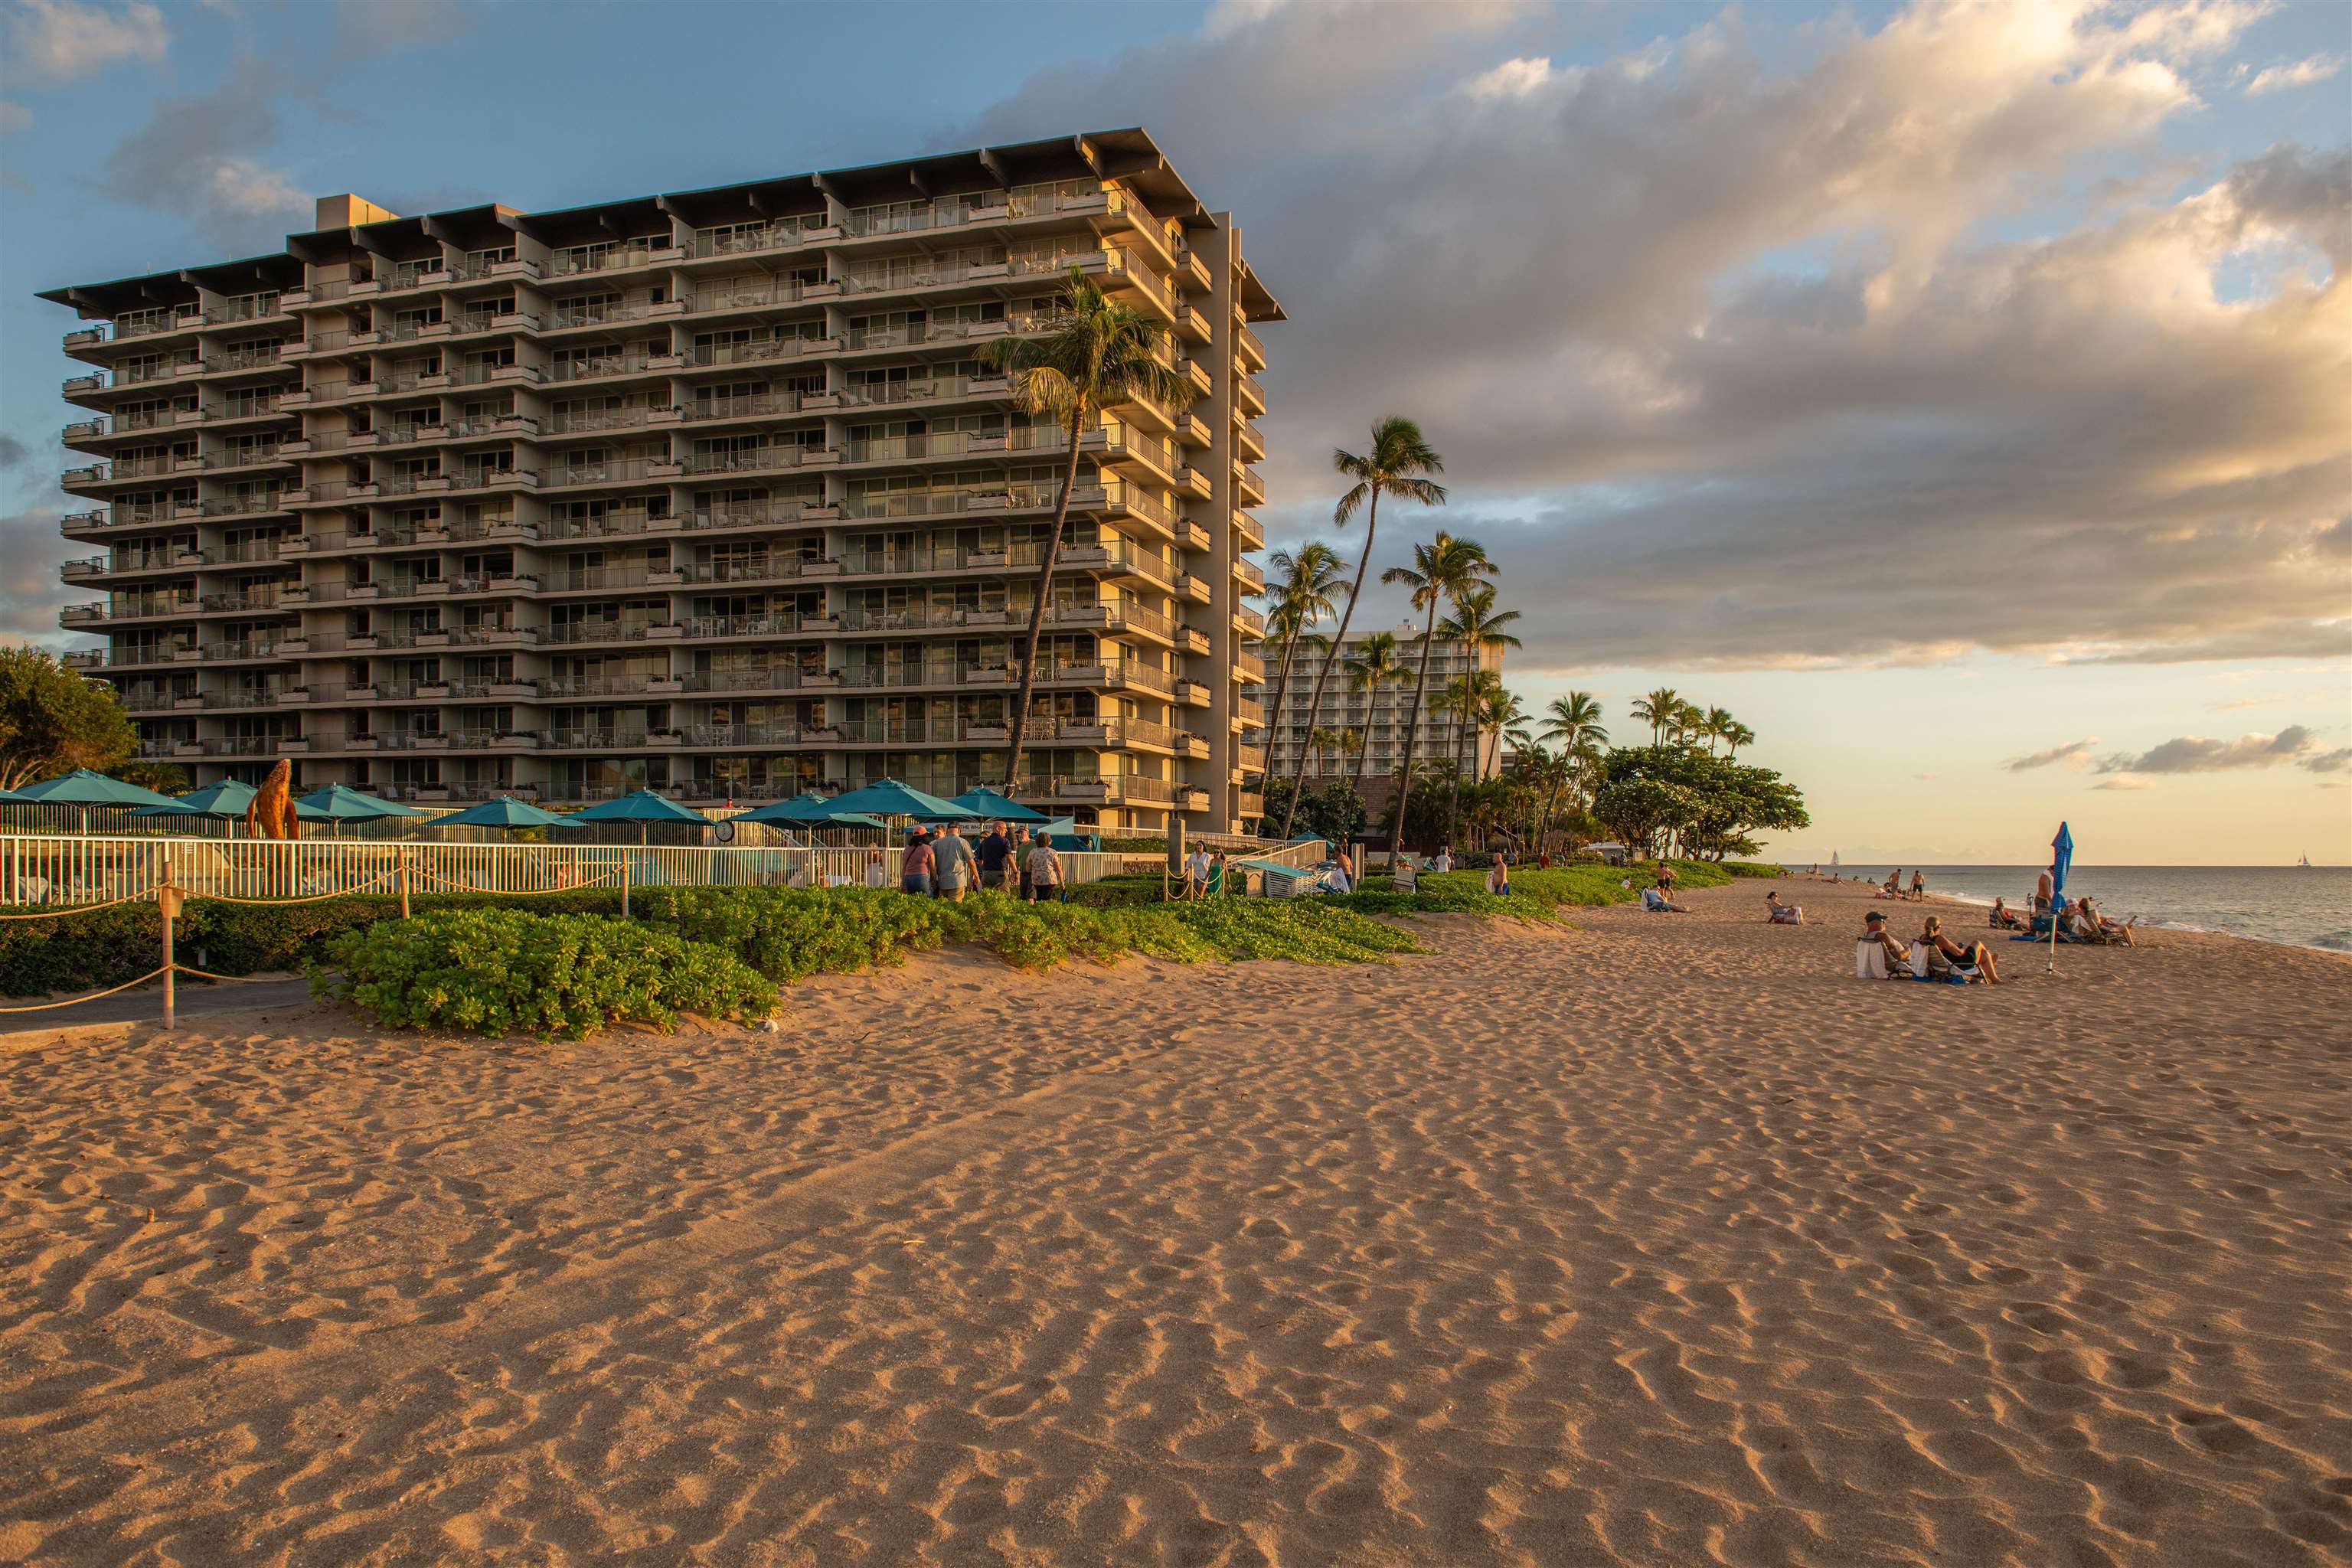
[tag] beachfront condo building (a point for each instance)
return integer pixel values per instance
(1377, 722)
(712, 492)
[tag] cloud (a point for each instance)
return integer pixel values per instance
(2301, 73)
(202, 158)
(366, 29)
(13, 454)
(2127, 784)
(1923, 777)
(2072, 754)
(14, 116)
(2200, 754)
(31, 550)
(61, 41)
(2335, 762)
(1512, 79)
(1806, 343)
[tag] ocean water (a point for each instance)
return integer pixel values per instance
(2305, 907)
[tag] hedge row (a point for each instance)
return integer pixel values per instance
(123, 942)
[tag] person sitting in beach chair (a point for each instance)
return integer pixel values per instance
(2089, 925)
(1948, 959)
(1407, 877)
(1877, 954)
(2004, 918)
(1780, 914)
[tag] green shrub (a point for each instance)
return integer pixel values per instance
(787, 933)
(1752, 868)
(503, 971)
(108, 946)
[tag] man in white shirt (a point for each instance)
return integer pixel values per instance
(1444, 861)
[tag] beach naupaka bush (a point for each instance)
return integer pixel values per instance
(503, 971)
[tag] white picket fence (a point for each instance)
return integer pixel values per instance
(68, 870)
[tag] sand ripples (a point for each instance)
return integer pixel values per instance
(1651, 1242)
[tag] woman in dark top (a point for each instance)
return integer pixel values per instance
(915, 870)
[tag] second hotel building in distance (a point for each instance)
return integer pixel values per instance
(709, 492)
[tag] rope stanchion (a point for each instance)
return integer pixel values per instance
(77, 1001)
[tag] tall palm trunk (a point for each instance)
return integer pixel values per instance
(1332, 655)
(1412, 734)
(1037, 612)
(1454, 795)
(1364, 745)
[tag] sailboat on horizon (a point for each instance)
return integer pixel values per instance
(2305, 861)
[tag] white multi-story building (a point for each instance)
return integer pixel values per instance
(1380, 722)
(709, 491)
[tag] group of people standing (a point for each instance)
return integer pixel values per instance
(944, 864)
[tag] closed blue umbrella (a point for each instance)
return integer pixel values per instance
(2061, 855)
(888, 797)
(986, 802)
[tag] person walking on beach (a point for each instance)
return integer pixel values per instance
(915, 868)
(957, 869)
(1444, 860)
(1197, 866)
(994, 849)
(1498, 877)
(1046, 874)
(1919, 884)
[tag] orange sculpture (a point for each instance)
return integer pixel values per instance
(271, 813)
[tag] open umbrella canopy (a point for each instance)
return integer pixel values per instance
(227, 799)
(986, 802)
(83, 787)
(338, 803)
(888, 797)
(641, 805)
(506, 811)
(815, 809)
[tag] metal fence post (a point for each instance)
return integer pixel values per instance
(404, 884)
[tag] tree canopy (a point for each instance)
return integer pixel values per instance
(53, 719)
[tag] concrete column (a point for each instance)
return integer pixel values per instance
(1220, 248)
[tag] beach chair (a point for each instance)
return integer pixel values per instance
(1654, 902)
(1870, 961)
(1408, 878)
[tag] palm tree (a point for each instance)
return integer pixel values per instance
(1466, 696)
(1104, 353)
(1714, 726)
(1394, 466)
(1502, 715)
(1657, 710)
(1444, 568)
(1574, 721)
(1319, 738)
(1301, 598)
(1688, 722)
(1374, 663)
(1736, 735)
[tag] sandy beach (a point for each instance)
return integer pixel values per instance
(1654, 1240)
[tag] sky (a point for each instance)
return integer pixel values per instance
(1962, 395)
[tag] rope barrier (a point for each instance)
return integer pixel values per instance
(234, 979)
(311, 899)
(520, 893)
(147, 892)
(77, 1001)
